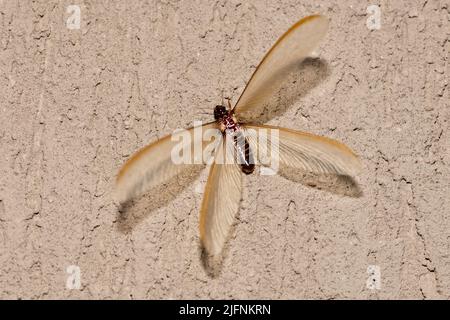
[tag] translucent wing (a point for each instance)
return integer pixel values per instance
(301, 150)
(221, 200)
(163, 159)
(290, 49)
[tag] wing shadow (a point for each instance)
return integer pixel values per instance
(304, 77)
(213, 264)
(337, 184)
(132, 212)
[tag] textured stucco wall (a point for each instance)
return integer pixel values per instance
(76, 103)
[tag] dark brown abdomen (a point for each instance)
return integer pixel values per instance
(244, 153)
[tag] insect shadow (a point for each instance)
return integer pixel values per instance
(304, 77)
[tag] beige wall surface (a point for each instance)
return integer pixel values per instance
(77, 102)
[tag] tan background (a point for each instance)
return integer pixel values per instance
(76, 103)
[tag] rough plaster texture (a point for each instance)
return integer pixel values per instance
(76, 103)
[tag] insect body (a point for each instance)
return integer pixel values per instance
(229, 126)
(153, 165)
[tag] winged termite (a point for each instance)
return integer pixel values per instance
(239, 139)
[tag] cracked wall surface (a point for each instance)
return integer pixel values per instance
(75, 103)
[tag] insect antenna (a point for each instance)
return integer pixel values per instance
(221, 98)
(229, 104)
(203, 112)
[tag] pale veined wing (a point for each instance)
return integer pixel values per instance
(301, 150)
(163, 159)
(221, 199)
(290, 49)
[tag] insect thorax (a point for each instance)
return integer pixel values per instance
(225, 119)
(228, 124)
